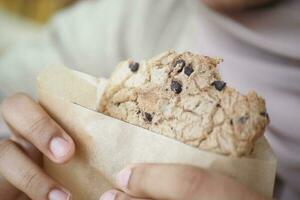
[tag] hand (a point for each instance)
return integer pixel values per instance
(33, 131)
(176, 182)
(235, 5)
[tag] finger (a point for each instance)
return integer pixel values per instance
(7, 190)
(28, 119)
(30, 150)
(23, 197)
(117, 195)
(26, 176)
(177, 182)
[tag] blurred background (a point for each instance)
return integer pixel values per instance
(21, 19)
(258, 41)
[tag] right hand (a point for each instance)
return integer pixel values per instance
(33, 133)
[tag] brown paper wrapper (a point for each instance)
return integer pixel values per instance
(105, 145)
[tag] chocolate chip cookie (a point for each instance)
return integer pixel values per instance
(182, 96)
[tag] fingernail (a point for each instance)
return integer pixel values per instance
(57, 194)
(110, 195)
(123, 177)
(59, 147)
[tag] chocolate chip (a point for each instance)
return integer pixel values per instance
(138, 112)
(181, 64)
(243, 119)
(188, 70)
(265, 114)
(219, 85)
(148, 117)
(176, 87)
(180, 70)
(231, 122)
(134, 66)
(218, 105)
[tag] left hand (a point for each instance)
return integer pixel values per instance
(176, 182)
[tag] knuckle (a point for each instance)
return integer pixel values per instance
(193, 180)
(38, 124)
(41, 125)
(29, 180)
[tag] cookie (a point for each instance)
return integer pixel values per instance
(182, 96)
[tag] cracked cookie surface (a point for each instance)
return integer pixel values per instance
(182, 96)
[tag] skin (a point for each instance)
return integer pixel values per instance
(20, 156)
(32, 131)
(176, 182)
